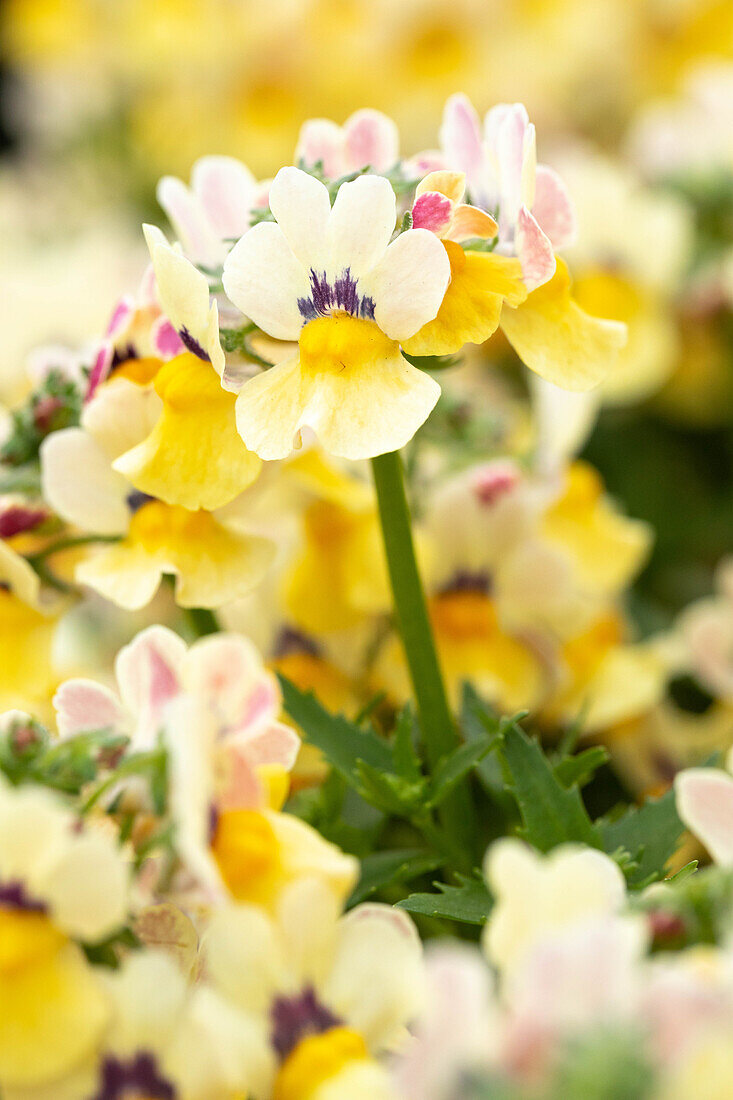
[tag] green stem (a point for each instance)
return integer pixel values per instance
(201, 620)
(436, 723)
(438, 729)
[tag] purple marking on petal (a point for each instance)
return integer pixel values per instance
(465, 581)
(136, 499)
(290, 641)
(295, 1018)
(136, 1076)
(342, 295)
(17, 518)
(13, 895)
(122, 355)
(192, 344)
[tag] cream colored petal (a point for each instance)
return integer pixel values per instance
(244, 956)
(301, 206)
(263, 278)
(408, 284)
(87, 888)
(360, 226)
(307, 913)
(78, 482)
(121, 414)
(705, 804)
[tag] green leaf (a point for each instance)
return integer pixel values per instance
(651, 833)
(380, 869)
(551, 815)
(577, 770)
(341, 742)
(389, 792)
(406, 761)
(469, 903)
(456, 765)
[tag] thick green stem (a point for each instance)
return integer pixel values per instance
(436, 723)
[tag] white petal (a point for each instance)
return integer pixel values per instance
(409, 284)
(121, 415)
(534, 251)
(87, 887)
(301, 206)
(322, 140)
(360, 226)
(705, 804)
(462, 142)
(79, 483)
(553, 208)
(147, 673)
(264, 280)
(191, 226)
(83, 705)
(226, 190)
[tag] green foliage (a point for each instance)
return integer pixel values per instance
(604, 1065)
(649, 833)
(469, 902)
(54, 405)
(381, 869)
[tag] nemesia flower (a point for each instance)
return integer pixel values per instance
(551, 334)
(368, 139)
(480, 281)
(330, 279)
(215, 209)
(328, 991)
(705, 630)
(225, 671)
(58, 885)
(231, 843)
(705, 804)
(535, 893)
(212, 560)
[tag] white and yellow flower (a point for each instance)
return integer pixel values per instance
(329, 991)
(213, 560)
(331, 279)
(59, 885)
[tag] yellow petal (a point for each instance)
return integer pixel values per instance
(212, 564)
(194, 456)
(471, 308)
(607, 548)
(52, 1008)
(26, 640)
(553, 336)
(450, 184)
(350, 385)
(471, 221)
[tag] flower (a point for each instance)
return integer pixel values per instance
(330, 279)
(215, 209)
(229, 842)
(549, 331)
(480, 281)
(368, 139)
(705, 631)
(535, 893)
(328, 991)
(58, 884)
(705, 804)
(225, 671)
(212, 560)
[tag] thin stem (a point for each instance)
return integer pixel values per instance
(436, 723)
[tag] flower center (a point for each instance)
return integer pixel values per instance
(136, 1078)
(316, 1059)
(295, 1018)
(247, 854)
(335, 294)
(338, 342)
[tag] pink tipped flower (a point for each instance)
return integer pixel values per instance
(367, 139)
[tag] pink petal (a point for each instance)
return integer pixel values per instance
(278, 744)
(100, 368)
(534, 251)
(511, 136)
(705, 804)
(322, 140)
(262, 703)
(165, 339)
(371, 138)
(226, 189)
(147, 674)
(553, 208)
(121, 316)
(430, 160)
(432, 211)
(188, 218)
(461, 139)
(148, 291)
(83, 705)
(238, 785)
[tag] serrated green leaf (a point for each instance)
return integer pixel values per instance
(380, 869)
(389, 792)
(578, 770)
(551, 815)
(651, 833)
(456, 765)
(340, 741)
(469, 903)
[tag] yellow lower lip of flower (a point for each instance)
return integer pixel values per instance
(315, 1060)
(140, 371)
(26, 938)
(337, 342)
(247, 854)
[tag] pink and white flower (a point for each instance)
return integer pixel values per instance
(367, 139)
(705, 804)
(534, 210)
